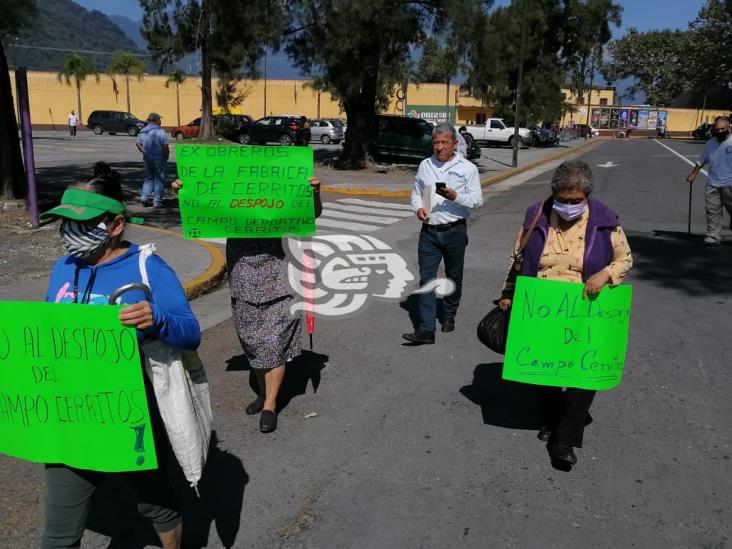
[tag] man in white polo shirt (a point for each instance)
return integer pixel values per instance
(718, 154)
(451, 185)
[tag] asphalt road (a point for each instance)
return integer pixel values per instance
(418, 447)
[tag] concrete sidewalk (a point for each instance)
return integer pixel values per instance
(494, 165)
(199, 265)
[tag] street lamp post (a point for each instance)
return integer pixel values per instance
(518, 88)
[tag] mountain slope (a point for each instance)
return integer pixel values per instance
(65, 25)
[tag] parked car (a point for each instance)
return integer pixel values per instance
(230, 126)
(402, 136)
(495, 130)
(542, 137)
(326, 130)
(583, 130)
(114, 122)
(703, 132)
(285, 130)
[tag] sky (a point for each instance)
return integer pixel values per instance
(642, 14)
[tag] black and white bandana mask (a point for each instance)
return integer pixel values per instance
(82, 240)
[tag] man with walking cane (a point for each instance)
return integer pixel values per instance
(718, 154)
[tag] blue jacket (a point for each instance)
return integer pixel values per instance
(173, 321)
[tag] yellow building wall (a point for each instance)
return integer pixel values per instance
(51, 100)
(679, 120)
(598, 95)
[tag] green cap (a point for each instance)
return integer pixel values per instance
(81, 205)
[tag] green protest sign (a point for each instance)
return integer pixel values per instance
(557, 338)
(72, 389)
(245, 192)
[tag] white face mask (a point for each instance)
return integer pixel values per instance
(81, 240)
(569, 212)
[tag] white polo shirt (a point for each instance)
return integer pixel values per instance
(458, 174)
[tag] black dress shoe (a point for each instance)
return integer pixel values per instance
(255, 406)
(267, 421)
(563, 453)
(448, 325)
(544, 434)
(420, 338)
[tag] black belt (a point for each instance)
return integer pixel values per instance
(444, 226)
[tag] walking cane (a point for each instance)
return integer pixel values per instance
(688, 227)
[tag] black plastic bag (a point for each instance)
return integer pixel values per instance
(493, 330)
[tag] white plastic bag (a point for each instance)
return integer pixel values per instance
(181, 390)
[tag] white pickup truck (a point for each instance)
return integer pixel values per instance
(495, 131)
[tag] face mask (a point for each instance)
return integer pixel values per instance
(569, 212)
(721, 135)
(82, 240)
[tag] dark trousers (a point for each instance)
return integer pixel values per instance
(434, 246)
(566, 413)
(72, 131)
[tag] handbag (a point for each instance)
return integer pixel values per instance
(493, 328)
(182, 393)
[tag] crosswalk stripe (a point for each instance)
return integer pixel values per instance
(357, 227)
(328, 212)
(373, 203)
(361, 209)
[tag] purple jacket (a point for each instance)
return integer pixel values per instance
(598, 246)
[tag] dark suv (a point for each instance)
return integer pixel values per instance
(403, 136)
(114, 122)
(285, 130)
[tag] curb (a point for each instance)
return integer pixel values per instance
(483, 183)
(200, 284)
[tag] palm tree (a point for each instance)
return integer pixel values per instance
(125, 63)
(78, 68)
(176, 77)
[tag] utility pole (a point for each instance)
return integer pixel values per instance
(589, 95)
(265, 83)
(518, 87)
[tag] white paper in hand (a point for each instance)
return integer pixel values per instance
(427, 193)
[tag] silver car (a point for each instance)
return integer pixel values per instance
(326, 130)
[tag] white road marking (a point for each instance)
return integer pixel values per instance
(344, 225)
(374, 203)
(361, 209)
(681, 156)
(328, 212)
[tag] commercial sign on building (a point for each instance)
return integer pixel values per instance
(432, 113)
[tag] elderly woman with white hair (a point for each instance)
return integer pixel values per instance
(574, 238)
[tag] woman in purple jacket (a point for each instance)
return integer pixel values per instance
(574, 238)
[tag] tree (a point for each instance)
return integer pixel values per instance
(710, 59)
(77, 68)
(588, 30)
(496, 56)
(230, 35)
(125, 63)
(438, 64)
(176, 77)
(363, 60)
(657, 60)
(12, 176)
(228, 94)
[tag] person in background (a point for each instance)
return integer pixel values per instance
(717, 153)
(557, 250)
(73, 123)
(454, 186)
(260, 304)
(100, 261)
(154, 144)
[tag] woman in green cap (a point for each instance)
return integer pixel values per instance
(99, 261)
